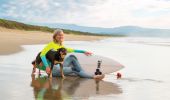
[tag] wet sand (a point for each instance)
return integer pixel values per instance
(18, 84)
(12, 39)
(145, 76)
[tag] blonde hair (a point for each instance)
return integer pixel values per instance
(56, 32)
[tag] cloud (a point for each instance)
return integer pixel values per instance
(101, 13)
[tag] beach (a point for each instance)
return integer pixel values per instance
(12, 39)
(121, 49)
(145, 76)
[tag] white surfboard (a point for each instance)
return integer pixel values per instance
(90, 63)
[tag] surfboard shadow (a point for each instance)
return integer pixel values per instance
(71, 87)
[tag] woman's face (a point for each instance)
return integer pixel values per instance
(60, 37)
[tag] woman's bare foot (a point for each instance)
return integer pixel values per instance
(98, 77)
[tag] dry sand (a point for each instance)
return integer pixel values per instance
(11, 39)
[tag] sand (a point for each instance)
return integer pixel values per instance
(12, 39)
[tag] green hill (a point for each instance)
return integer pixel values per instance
(21, 26)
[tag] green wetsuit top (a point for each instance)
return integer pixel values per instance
(55, 46)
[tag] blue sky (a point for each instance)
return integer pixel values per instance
(96, 13)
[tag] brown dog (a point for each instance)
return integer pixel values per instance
(55, 57)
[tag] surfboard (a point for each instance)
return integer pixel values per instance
(88, 65)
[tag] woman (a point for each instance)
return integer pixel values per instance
(58, 39)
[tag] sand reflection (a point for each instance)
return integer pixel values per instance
(71, 87)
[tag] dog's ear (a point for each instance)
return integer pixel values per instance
(59, 50)
(64, 50)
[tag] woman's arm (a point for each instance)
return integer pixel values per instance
(70, 50)
(79, 51)
(43, 54)
(82, 51)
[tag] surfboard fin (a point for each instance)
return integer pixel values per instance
(98, 72)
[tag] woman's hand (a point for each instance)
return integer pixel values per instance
(48, 70)
(88, 53)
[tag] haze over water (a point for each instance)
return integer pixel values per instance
(145, 76)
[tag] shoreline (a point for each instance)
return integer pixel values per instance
(12, 39)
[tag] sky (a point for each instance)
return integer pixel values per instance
(93, 13)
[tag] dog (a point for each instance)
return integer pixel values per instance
(55, 57)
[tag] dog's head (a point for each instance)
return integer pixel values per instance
(62, 52)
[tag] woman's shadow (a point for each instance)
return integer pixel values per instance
(71, 87)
